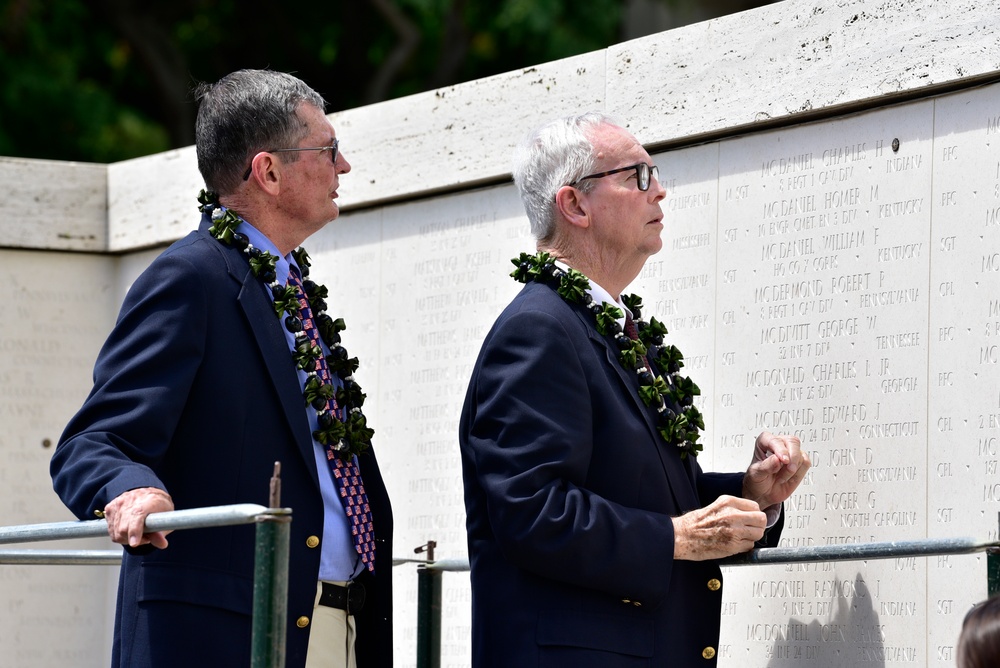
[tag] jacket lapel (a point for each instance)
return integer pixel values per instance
(681, 485)
(270, 337)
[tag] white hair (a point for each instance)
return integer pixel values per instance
(554, 155)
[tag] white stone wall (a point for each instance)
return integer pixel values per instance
(57, 310)
(818, 280)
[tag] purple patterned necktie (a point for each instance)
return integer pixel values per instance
(346, 475)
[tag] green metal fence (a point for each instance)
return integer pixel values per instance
(429, 574)
(270, 588)
(271, 565)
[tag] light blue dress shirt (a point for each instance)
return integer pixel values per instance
(339, 560)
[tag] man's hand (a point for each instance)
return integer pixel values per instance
(728, 526)
(126, 516)
(778, 466)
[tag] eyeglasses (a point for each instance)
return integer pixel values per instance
(642, 174)
(332, 148)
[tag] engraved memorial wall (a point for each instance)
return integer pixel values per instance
(839, 279)
(847, 271)
(57, 312)
(806, 273)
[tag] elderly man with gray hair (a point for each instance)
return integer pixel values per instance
(223, 362)
(593, 532)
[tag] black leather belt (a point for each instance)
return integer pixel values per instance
(350, 598)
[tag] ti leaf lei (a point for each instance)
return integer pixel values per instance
(346, 436)
(679, 424)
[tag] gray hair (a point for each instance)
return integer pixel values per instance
(242, 114)
(552, 156)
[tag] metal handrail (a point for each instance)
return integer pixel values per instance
(194, 518)
(114, 557)
(270, 588)
(429, 570)
(810, 553)
(860, 551)
(62, 557)
(429, 573)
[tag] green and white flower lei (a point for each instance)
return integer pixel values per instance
(348, 436)
(680, 426)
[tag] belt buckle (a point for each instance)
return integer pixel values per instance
(355, 597)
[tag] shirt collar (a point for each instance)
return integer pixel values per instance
(259, 240)
(599, 294)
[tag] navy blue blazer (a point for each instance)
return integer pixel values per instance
(195, 393)
(569, 491)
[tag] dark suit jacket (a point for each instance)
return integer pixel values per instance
(195, 393)
(569, 492)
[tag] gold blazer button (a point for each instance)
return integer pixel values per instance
(708, 653)
(312, 541)
(714, 584)
(302, 622)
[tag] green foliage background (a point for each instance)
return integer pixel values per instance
(108, 80)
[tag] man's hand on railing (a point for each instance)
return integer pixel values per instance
(126, 517)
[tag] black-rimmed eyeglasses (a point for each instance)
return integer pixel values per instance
(332, 148)
(643, 172)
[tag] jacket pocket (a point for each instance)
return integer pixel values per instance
(618, 634)
(159, 581)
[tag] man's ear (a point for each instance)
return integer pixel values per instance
(266, 172)
(573, 206)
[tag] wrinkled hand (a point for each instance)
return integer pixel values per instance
(126, 516)
(728, 526)
(778, 466)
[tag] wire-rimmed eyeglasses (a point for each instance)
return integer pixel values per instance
(643, 172)
(332, 148)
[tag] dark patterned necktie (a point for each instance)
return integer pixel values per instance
(346, 475)
(632, 333)
(630, 330)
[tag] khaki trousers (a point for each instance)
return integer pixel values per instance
(332, 636)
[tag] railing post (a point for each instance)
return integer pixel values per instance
(270, 582)
(428, 611)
